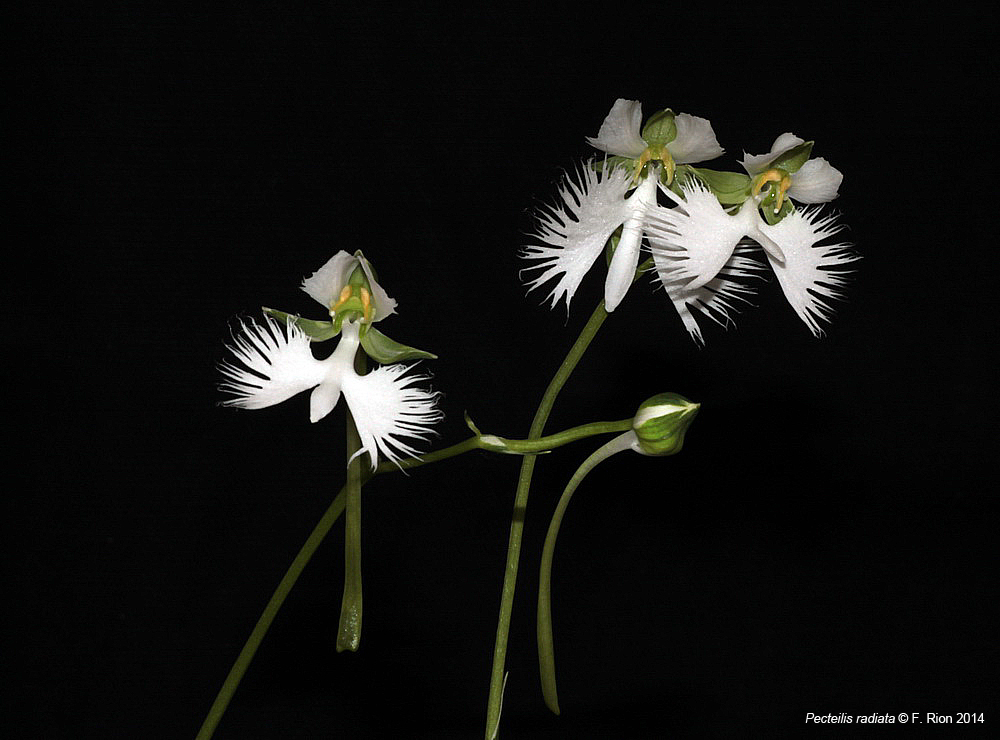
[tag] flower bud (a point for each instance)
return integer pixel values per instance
(661, 422)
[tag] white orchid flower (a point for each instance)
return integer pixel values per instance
(591, 205)
(816, 181)
(701, 253)
(275, 362)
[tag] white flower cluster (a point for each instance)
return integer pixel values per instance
(703, 251)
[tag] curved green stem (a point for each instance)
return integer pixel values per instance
(546, 652)
(267, 617)
(497, 680)
(334, 511)
(517, 523)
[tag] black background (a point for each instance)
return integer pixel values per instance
(822, 543)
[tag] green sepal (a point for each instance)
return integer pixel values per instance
(731, 188)
(660, 129)
(361, 256)
(794, 158)
(317, 331)
(357, 278)
(386, 351)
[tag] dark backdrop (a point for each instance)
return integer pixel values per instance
(822, 543)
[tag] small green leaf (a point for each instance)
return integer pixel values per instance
(794, 158)
(385, 351)
(729, 187)
(660, 129)
(317, 331)
(469, 423)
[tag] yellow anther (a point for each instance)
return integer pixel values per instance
(648, 155)
(668, 163)
(366, 303)
(762, 180)
(643, 158)
(786, 182)
(344, 295)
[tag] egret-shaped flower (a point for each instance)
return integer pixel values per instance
(701, 251)
(593, 204)
(274, 362)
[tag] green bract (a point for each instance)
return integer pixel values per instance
(661, 423)
(660, 129)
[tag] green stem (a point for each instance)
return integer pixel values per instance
(492, 443)
(497, 679)
(270, 612)
(349, 630)
(331, 515)
(517, 523)
(546, 652)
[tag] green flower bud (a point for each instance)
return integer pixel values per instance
(661, 422)
(660, 129)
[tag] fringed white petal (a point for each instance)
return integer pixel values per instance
(621, 271)
(697, 233)
(574, 230)
(274, 363)
(386, 407)
(812, 275)
(621, 132)
(719, 298)
(817, 181)
(325, 284)
(695, 140)
(754, 164)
